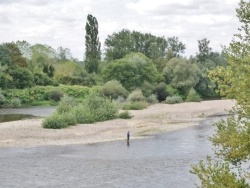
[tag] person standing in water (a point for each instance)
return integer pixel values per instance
(128, 136)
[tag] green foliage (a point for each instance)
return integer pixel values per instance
(42, 79)
(66, 104)
(55, 94)
(125, 115)
(55, 121)
(217, 174)
(172, 91)
(92, 45)
(193, 96)
(101, 108)
(2, 99)
(147, 88)
(16, 57)
(78, 92)
(173, 99)
(15, 102)
(181, 74)
(152, 99)
(136, 105)
(175, 47)
(93, 108)
(136, 95)
(113, 89)
(120, 44)
(42, 93)
(131, 71)
(161, 91)
(231, 139)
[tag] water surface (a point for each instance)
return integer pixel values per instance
(159, 161)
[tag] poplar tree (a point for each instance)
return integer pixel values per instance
(92, 45)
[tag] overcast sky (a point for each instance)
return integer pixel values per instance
(62, 22)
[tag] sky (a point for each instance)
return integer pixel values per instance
(62, 22)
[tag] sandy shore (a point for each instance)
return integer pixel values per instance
(155, 119)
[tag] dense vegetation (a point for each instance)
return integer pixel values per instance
(230, 165)
(136, 69)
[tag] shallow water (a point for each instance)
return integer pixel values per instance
(159, 161)
(13, 114)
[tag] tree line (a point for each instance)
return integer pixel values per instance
(135, 59)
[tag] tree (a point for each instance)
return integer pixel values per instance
(181, 74)
(175, 47)
(232, 138)
(16, 55)
(118, 45)
(92, 45)
(204, 49)
(131, 71)
(64, 54)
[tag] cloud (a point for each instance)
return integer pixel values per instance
(62, 22)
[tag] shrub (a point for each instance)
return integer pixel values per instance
(161, 91)
(136, 95)
(193, 96)
(95, 108)
(147, 89)
(152, 99)
(2, 99)
(137, 105)
(55, 121)
(114, 89)
(101, 108)
(55, 94)
(173, 99)
(69, 118)
(66, 104)
(15, 102)
(172, 91)
(125, 115)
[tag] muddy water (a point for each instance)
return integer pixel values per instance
(159, 161)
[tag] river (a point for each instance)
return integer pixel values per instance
(159, 161)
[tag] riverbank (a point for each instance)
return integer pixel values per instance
(155, 119)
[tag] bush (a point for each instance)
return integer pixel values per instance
(136, 95)
(99, 107)
(172, 91)
(114, 89)
(125, 115)
(15, 102)
(55, 121)
(173, 99)
(193, 96)
(147, 89)
(69, 118)
(152, 99)
(138, 105)
(161, 91)
(2, 100)
(66, 104)
(55, 94)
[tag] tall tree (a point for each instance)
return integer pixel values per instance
(120, 44)
(204, 49)
(175, 47)
(232, 138)
(16, 55)
(92, 45)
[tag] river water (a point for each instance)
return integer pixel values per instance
(158, 161)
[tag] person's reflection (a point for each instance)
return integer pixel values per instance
(128, 143)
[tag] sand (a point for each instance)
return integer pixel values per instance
(157, 118)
